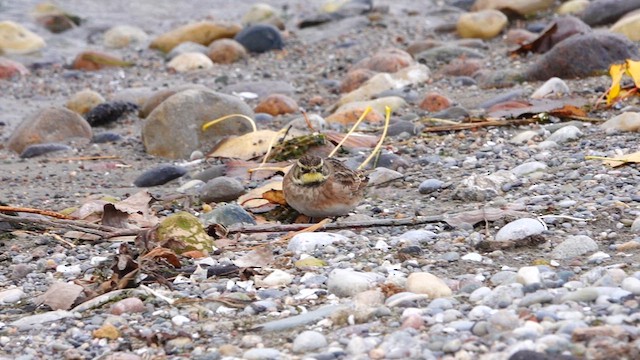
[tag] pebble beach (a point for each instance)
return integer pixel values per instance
(525, 242)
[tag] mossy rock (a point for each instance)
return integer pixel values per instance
(187, 232)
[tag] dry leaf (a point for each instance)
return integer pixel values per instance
(245, 147)
(61, 296)
(632, 69)
(560, 106)
(619, 160)
(163, 253)
(240, 169)
(275, 197)
(254, 198)
(355, 140)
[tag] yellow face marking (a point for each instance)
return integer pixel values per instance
(312, 178)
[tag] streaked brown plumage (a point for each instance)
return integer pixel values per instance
(322, 188)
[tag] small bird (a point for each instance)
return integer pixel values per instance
(322, 188)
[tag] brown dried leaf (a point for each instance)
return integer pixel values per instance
(60, 296)
(239, 169)
(114, 217)
(275, 197)
(538, 106)
(163, 253)
(255, 198)
(355, 140)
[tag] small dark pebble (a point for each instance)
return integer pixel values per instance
(106, 137)
(260, 38)
(41, 149)
(159, 175)
(109, 112)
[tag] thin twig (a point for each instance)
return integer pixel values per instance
(336, 225)
(60, 239)
(52, 214)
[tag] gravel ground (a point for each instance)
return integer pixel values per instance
(569, 288)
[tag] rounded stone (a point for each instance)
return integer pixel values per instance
(260, 38)
(485, 24)
(226, 51)
(426, 283)
(84, 100)
(121, 36)
(190, 61)
(174, 128)
(16, 39)
(435, 102)
(277, 104)
(519, 229)
(308, 341)
(221, 189)
(430, 185)
(159, 175)
(50, 125)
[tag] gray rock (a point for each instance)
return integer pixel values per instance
(632, 285)
(574, 246)
(309, 242)
(308, 341)
(381, 175)
(260, 38)
(520, 229)
(42, 149)
(227, 215)
(480, 187)
(262, 354)
(11, 296)
(174, 128)
(345, 283)
(529, 168)
(603, 12)
(565, 134)
(430, 185)
(221, 189)
(159, 175)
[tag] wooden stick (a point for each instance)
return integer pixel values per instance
(479, 124)
(336, 225)
(53, 214)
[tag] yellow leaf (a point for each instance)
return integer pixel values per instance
(618, 160)
(616, 71)
(633, 69)
(245, 147)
